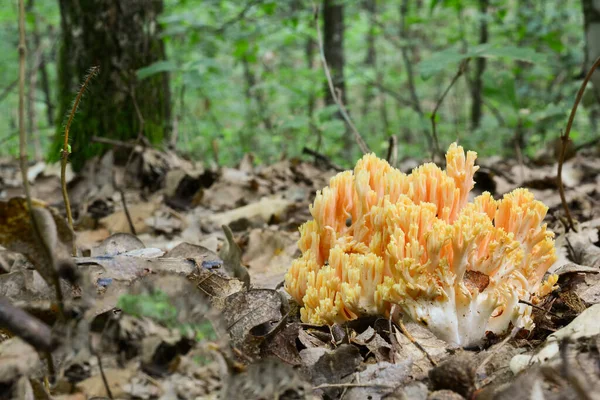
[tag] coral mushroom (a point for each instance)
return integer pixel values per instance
(380, 238)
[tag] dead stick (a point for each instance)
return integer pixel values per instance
(27, 327)
(117, 143)
(565, 139)
(461, 69)
(23, 161)
(334, 93)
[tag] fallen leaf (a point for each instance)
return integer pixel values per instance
(330, 366)
(384, 377)
(246, 310)
(17, 234)
(17, 359)
(263, 211)
(116, 244)
(269, 254)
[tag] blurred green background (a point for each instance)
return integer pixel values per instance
(245, 76)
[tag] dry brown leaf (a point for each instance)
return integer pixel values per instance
(263, 211)
(17, 358)
(269, 254)
(17, 234)
(117, 222)
(116, 378)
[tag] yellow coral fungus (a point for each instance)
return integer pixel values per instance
(380, 237)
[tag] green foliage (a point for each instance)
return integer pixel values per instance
(157, 306)
(247, 76)
(449, 58)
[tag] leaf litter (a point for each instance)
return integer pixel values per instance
(191, 307)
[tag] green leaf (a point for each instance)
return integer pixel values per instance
(445, 59)
(241, 48)
(269, 8)
(156, 68)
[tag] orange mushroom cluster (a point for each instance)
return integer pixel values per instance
(380, 238)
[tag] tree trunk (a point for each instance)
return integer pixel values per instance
(477, 86)
(333, 47)
(371, 57)
(591, 18)
(119, 37)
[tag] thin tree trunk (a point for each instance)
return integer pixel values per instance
(309, 52)
(371, 57)
(32, 86)
(477, 86)
(591, 18)
(333, 43)
(255, 94)
(409, 72)
(31, 115)
(44, 81)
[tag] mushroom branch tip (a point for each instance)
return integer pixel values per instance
(380, 237)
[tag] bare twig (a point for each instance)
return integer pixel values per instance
(392, 155)
(27, 327)
(322, 158)
(334, 93)
(351, 385)
(513, 333)
(461, 69)
(66, 151)
(414, 341)
(24, 166)
(411, 79)
(565, 140)
(112, 142)
(539, 308)
(103, 375)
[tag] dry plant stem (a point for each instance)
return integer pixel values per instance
(461, 69)
(27, 327)
(539, 308)
(392, 155)
(103, 375)
(65, 151)
(565, 140)
(410, 337)
(335, 93)
(23, 161)
(352, 385)
(138, 140)
(51, 367)
(112, 142)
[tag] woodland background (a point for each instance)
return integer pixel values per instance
(216, 79)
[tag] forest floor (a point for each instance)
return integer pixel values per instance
(158, 302)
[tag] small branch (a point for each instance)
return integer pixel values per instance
(353, 385)
(461, 69)
(392, 155)
(334, 93)
(27, 327)
(414, 341)
(539, 308)
(112, 142)
(411, 78)
(322, 158)
(565, 140)
(66, 151)
(24, 166)
(103, 375)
